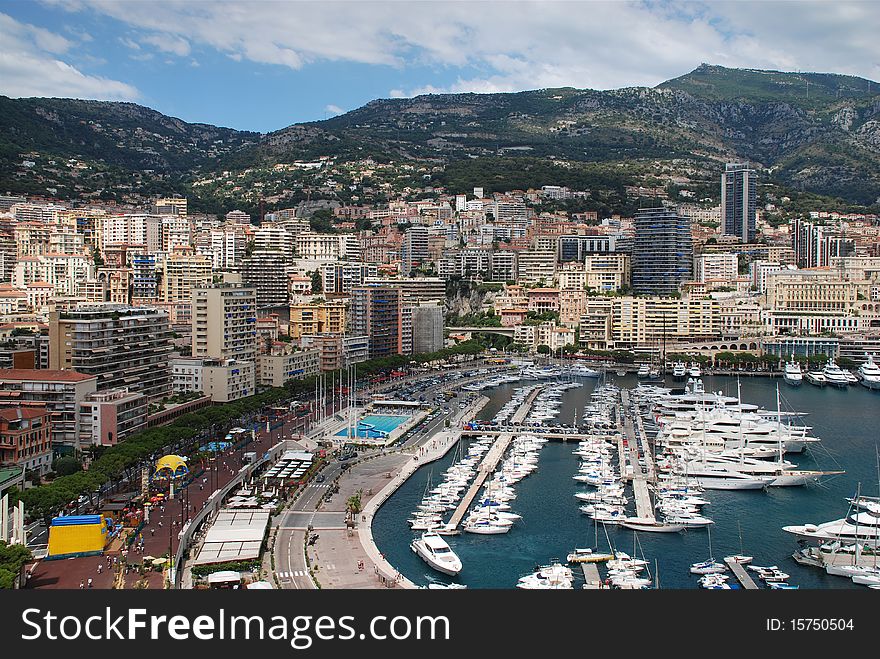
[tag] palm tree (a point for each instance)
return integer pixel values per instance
(353, 504)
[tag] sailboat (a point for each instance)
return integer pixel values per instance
(740, 557)
(710, 566)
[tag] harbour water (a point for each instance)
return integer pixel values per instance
(847, 421)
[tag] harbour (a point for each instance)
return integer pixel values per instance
(552, 525)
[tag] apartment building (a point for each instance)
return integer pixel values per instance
(59, 392)
(122, 346)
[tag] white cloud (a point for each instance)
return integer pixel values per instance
(507, 46)
(168, 43)
(333, 109)
(29, 67)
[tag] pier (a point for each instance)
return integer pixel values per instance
(741, 575)
(592, 580)
(490, 460)
(636, 439)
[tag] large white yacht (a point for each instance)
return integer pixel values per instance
(644, 371)
(793, 374)
(834, 375)
(817, 378)
(869, 373)
(862, 526)
(434, 550)
(694, 370)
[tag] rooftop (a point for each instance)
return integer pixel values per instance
(35, 375)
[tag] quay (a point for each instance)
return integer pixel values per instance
(490, 461)
(741, 575)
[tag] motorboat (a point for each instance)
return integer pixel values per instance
(834, 375)
(679, 371)
(738, 558)
(694, 370)
(643, 372)
(435, 551)
(817, 378)
(869, 373)
(793, 375)
(548, 577)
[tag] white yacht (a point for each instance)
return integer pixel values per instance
(581, 371)
(679, 371)
(694, 370)
(793, 373)
(643, 372)
(434, 550)
(548, 577)
(834, 375)
(869, 373)
(861, 526)
(817, 378)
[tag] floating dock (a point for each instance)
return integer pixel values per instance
(592, 580)
(635, 439)
(741, 575)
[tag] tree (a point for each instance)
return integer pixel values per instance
(317, 282)
(353, 504)
(544, 349)
(66, 466)
(12, 559)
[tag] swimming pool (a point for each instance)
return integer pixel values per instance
(375, 425)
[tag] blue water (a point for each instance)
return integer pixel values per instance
(371, 423)
(848, 421)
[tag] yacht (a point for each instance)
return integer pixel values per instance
(582, 371)
(817, 378)
(869, 373)
(548, 577)
(650, 524)
(861, 526)
(643, 372)
(434, 550)
(679, 371)
(834, 375)
(694, 370)
(793, 374)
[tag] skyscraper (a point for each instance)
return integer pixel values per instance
(662, 252)
(377, 312)
(738, 201)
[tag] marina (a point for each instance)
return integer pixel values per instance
(550, 526)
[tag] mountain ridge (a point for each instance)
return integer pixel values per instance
(818, 132)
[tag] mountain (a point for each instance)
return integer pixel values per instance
(810, 131)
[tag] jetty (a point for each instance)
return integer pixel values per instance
(741, 575)
(491, 460)
(641, 470)
(592, 580)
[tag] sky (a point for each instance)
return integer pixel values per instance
(263, 65)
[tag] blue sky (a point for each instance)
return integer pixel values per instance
(262, 65)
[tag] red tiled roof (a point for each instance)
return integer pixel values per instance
(34, 374)
(14, 413)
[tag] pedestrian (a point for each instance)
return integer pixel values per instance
(152, 531)
(100, 568)
(160, 523)
(82, 584)
(90, 582)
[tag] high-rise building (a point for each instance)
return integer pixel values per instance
(170, 206)
(427, 328)
(184, 271)
(224, 323)
(739, 201)
(123, 346)
(238, 217)
(414, 249)
(376, 311)
(267, 272)
(662, 252)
